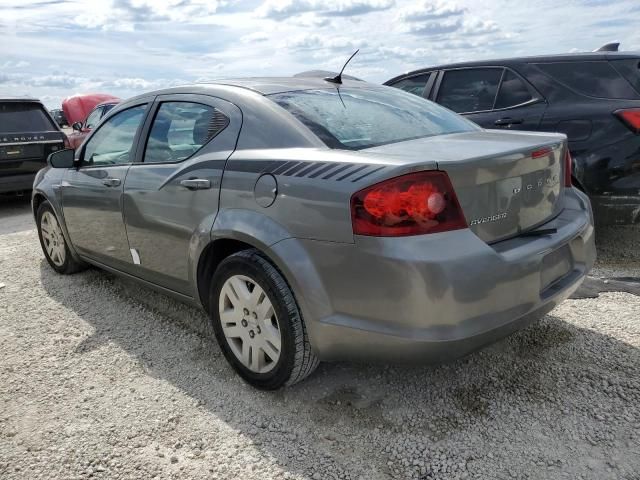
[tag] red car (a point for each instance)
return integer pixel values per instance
(84, 112)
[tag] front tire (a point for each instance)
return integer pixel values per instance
(53, 243)
(257, 322)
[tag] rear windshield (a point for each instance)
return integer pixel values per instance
(17, 117)
(594, 79)
(357, 118)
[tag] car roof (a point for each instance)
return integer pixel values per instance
(271, 85)
(19, 99)
(257, 85)
(562, 57)
(108, 102)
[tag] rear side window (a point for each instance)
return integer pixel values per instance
(17, 117)
(180, 129)
(513, 91)
(357, 118)
(594, 79)
(470, 90)
(413, 85)
(629, 69)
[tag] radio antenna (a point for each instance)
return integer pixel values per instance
(338, 78)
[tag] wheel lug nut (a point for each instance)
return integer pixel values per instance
(245, 311)
(254, 315)
(244, 323)
(258, 330)
(251, 334)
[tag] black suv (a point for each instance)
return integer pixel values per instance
(594, 98)
(28, 134)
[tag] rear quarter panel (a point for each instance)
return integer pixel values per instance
(313, 192)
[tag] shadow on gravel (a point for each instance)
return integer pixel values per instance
(592, 287)
(545, 376)
(15, 214)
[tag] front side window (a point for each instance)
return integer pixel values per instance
(413, 85)
(112, 143)
(513, 91)
(93, 118)
(180, 129)
(469, 90)
(357, 118)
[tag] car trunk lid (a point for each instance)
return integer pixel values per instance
(507, 183)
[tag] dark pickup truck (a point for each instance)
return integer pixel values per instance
(28, 134)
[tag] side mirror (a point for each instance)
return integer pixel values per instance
(62, 158)
(77, 126)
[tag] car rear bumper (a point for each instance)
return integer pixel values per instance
(17, 183)
(434, 297)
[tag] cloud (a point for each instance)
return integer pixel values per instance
(67, 80)
(10, 64)
(462, 27)
(126, 15)
(356, 7)
(434, 28)
(284, 9)
(318, 42)
(479, 27)
(281, 10)
(428, 11)
(255, 37)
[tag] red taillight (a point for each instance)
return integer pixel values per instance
(567, 169)
(413, 204)
(541, 152)
(630, 117)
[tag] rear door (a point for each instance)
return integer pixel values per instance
(92, 194)
(171, 192)
(493, 97)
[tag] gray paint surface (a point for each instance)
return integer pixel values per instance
(426, 297)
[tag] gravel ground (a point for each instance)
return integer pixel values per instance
(100, 378)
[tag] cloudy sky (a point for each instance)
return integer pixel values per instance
(55, 48)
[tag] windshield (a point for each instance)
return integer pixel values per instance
(357, 118)
(17, 117)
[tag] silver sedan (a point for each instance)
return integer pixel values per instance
(316, 220)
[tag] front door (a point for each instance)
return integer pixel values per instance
(171, 192)
(92, 194)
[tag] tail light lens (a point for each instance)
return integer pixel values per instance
(630, 117)
(413, 204)
(567, 169)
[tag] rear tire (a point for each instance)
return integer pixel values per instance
(53, 243)
(257, 322)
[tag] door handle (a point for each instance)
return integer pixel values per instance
(196, 183)
(501, 122)
(111, 182)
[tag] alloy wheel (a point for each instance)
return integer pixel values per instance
(53, 239)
